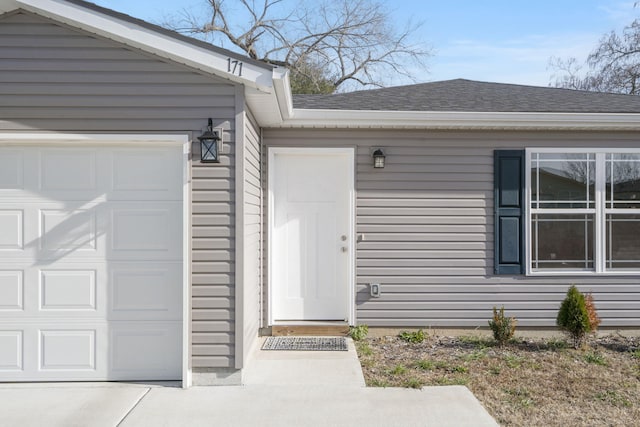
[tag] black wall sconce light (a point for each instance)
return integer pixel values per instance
(210, 144)
(378, 159)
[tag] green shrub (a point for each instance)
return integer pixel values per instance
(502, 327)
(398, 370)
(595, 358)
(425, 365)
(573, 317)
(413, 337)
(358, 333)
(364, 349)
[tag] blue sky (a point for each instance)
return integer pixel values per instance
(507, 41)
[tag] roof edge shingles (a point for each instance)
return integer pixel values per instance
(462, 95)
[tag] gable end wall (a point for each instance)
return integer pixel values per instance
(57, 79)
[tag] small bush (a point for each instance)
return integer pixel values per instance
(513, 361)
(614, 398)
(413, 337)
(413, 383)
(475, 355)
(380, 383)
(477, 341)
(595, 358)
(556, 344)
(573, 317)
(425, 365)
(358, 333)
(364, 349)
(502, 327)
(594, 320)
(398, 370)
(452, 381)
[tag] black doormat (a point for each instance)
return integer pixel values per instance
(306, 343)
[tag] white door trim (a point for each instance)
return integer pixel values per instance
(350, 151)
(77, 139)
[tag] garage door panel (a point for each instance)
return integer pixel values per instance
(92, 290)
(150, 232)
(69, 290)
(11, 291)
(68, 231)
(90, 263)
(48, 231)
(85, 174)
(139, 174)
(55, 351)
(63, 351)
(11, 230)
(145, 292)
(131, 342)
(56, 290)
(67, 350)
(11, 351)
(67, 171)
(11, 170)
(123, 230)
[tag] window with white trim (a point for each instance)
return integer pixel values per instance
(583, 211)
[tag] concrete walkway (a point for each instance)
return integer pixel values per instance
(280, 389)
(330, 368)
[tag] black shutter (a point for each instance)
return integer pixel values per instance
(509, 208)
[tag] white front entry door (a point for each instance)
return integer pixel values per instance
(311, 228)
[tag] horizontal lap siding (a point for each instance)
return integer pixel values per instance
(53, 78)
(427, 221)
(252, 233)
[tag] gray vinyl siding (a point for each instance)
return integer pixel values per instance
(252, 233)
(427, 221)
(53, 78)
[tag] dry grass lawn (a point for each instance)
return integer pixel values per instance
(529, 382)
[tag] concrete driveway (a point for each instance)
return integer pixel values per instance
(281, 388)
(130, 405)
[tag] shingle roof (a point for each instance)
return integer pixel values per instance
(473, 96)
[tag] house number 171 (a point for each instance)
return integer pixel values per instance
(234, 67)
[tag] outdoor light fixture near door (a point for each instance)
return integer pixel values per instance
(378, 158)
(210, 144)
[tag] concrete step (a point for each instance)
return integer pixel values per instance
(310, 330)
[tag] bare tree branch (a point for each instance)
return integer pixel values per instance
(329, 44)
(613, 66)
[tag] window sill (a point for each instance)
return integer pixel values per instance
(551, 273)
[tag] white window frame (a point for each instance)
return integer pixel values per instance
(601, 211)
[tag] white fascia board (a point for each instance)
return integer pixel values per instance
(461, 120)
(282, 88)
(146, 40)
(272, 108)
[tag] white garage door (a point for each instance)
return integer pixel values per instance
(90, 263)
